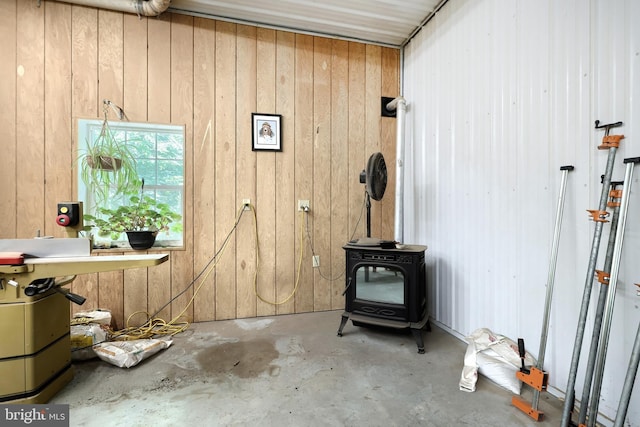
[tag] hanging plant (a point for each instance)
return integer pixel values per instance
(107, 166)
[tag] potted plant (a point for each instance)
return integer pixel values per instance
(141, 219)
(107, 166)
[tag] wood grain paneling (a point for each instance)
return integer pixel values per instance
(321, 201)
(390, 67)
(30, 185)
(135, 98)
(135, 65)
(203, 192)
(58, 173)
(111, 58)
(356, 141)
(268, 282)
(111, 294)
(225, 163)
(333, 268)
(159, 111)
(246, 178)
(84, 103)
(208, 76)
(304, 158)
(8, 68)
(111, 87)
(286, 259)
(182, 113)
(373, 83)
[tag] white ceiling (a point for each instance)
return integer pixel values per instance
(384, 22)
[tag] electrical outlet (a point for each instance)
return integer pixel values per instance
(303, 205)
(316, 261)
(246, 203)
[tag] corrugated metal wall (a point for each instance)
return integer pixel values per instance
(385, 22)
(500, 95)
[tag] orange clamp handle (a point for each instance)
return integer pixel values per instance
(610, 141)
(526, 408)
(535, 378)
(614, 194)
(598, 216)
(603, 277)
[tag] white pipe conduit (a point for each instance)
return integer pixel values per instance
(139, 7)
(400, 105)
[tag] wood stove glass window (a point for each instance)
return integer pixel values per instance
(380, 284)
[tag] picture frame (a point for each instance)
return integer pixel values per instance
(267, 132)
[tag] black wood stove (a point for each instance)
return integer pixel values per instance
(386, 287)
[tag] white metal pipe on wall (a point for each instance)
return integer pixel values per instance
(139, 7)
(400, 106)
(502, 94)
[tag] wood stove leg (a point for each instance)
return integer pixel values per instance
(343, 321)
(417, 335)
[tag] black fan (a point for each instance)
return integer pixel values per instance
(375, 180)
(376, 176)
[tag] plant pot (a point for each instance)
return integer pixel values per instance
(104, 162)
(141, 240)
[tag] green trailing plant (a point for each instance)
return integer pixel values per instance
(142, 213)
(107, 166)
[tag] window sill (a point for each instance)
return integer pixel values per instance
(126, 248)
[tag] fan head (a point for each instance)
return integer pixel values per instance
(376, 176)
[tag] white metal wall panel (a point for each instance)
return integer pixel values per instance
(386, 22)
(500, 95)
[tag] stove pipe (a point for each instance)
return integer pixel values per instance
(400, 105)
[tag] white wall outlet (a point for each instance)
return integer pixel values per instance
(316, 261)
(303, 205)
(246, 203)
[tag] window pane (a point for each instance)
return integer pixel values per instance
(170, 172)
(147, 170)
(141, 144)
(170, 146)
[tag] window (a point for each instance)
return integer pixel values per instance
(158, 151)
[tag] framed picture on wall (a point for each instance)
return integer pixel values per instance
(267, 132)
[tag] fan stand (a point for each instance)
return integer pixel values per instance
(367, 204)
(375, 180)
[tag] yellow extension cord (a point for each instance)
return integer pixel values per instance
(154, 327)
(255, 277)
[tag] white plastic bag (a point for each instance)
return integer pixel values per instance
(494, 356)
(83, 337)
(102, 317)
(126, 354)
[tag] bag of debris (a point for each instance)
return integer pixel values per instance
(495, 357)
(126, 354)
(83, 337)
(102, 317)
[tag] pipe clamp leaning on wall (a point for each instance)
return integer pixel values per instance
(139, 7)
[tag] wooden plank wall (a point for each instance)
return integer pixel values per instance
(60, 61)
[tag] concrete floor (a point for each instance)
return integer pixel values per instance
(294, 371)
